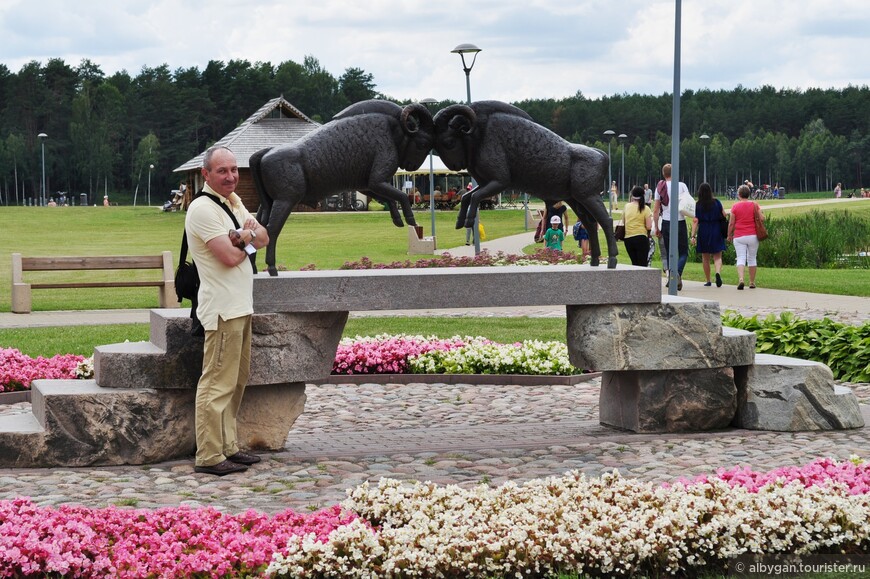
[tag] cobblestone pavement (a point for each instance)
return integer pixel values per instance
(449, 434)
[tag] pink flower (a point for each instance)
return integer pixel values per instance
(385, 354)
(18, 370)
(855, 474)
(170, 542)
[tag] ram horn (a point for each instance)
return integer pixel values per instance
(414, 117)
(457, 117)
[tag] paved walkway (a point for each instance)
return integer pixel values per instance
(450, 434)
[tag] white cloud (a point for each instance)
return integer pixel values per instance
(531, 49)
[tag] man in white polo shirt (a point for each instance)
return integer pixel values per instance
(664, 190)
(225, 308)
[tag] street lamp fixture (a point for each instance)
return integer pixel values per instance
(427, 102)
(622, 137)
(704, 138)
(609, 134)
(42, 137)
(462, 50)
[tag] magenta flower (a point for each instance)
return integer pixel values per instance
(18, 370)
(169, 542)
(386, 354)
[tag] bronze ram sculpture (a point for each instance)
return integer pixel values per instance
(359, 149)
(502, 147)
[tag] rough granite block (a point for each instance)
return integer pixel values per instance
(452, 287)
(676, 334)
(292, 347)
(789, 395)
(668, 401)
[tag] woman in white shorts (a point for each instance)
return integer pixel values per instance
(741, 232)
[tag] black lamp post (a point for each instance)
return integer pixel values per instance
(42, 137)
(609, 134)
(427, 102)
(150, 168)
(622, 137)
(462, 50)
(704, 138)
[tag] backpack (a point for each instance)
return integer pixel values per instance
(540, 230)
(576, 231)
(662, 190)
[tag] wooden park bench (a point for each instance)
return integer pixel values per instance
(22, 291)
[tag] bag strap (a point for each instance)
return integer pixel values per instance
(184, 232)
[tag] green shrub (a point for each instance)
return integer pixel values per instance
(843, 348)
(814, 240)
(817, 239)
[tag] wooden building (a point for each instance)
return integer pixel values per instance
(276, 123)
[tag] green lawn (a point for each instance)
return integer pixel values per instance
(82, 339)
(325, 239)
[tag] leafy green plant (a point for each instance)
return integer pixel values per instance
(843, 348)
(813, 240)
(818, 239)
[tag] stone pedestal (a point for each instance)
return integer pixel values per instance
(668, 400)
(285, 348)
(668, 364)
(267, 414)
(676, 334)
(790, 395)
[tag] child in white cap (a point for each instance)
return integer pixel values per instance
(554, 236)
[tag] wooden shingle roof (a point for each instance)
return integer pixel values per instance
(277, 122)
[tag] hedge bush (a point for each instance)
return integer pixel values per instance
(845, 349)
(814, 240)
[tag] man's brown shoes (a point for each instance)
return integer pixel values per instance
(236, 463)
(244, 458)
(221, 468)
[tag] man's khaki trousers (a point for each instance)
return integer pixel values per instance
(226, 365)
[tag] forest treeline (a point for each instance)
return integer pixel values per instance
(104, 132)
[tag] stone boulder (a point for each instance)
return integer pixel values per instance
(668, 401)
(285, 348)
(790, 395)
(677, 334)
(77, 423)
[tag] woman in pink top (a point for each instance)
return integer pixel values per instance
(741, 232)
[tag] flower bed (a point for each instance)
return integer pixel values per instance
(602, 526)
(605, 525)
(402, 354)
(18, 370)
(542, 256)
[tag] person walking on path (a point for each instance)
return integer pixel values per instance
(557, 209)
(581, 236)
(741, 232)
(614, 196)
(664, 196)
(707, 235)
(554, 236)
(225, 308)
(637, 218)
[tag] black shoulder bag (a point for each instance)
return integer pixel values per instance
(187, 277)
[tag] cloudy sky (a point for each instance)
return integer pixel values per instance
(531, 48)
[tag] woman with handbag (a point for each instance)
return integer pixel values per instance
(745, 230)
(637, 220)
(708, 235)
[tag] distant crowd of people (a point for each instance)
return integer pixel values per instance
(863, 193)
(703, 223)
